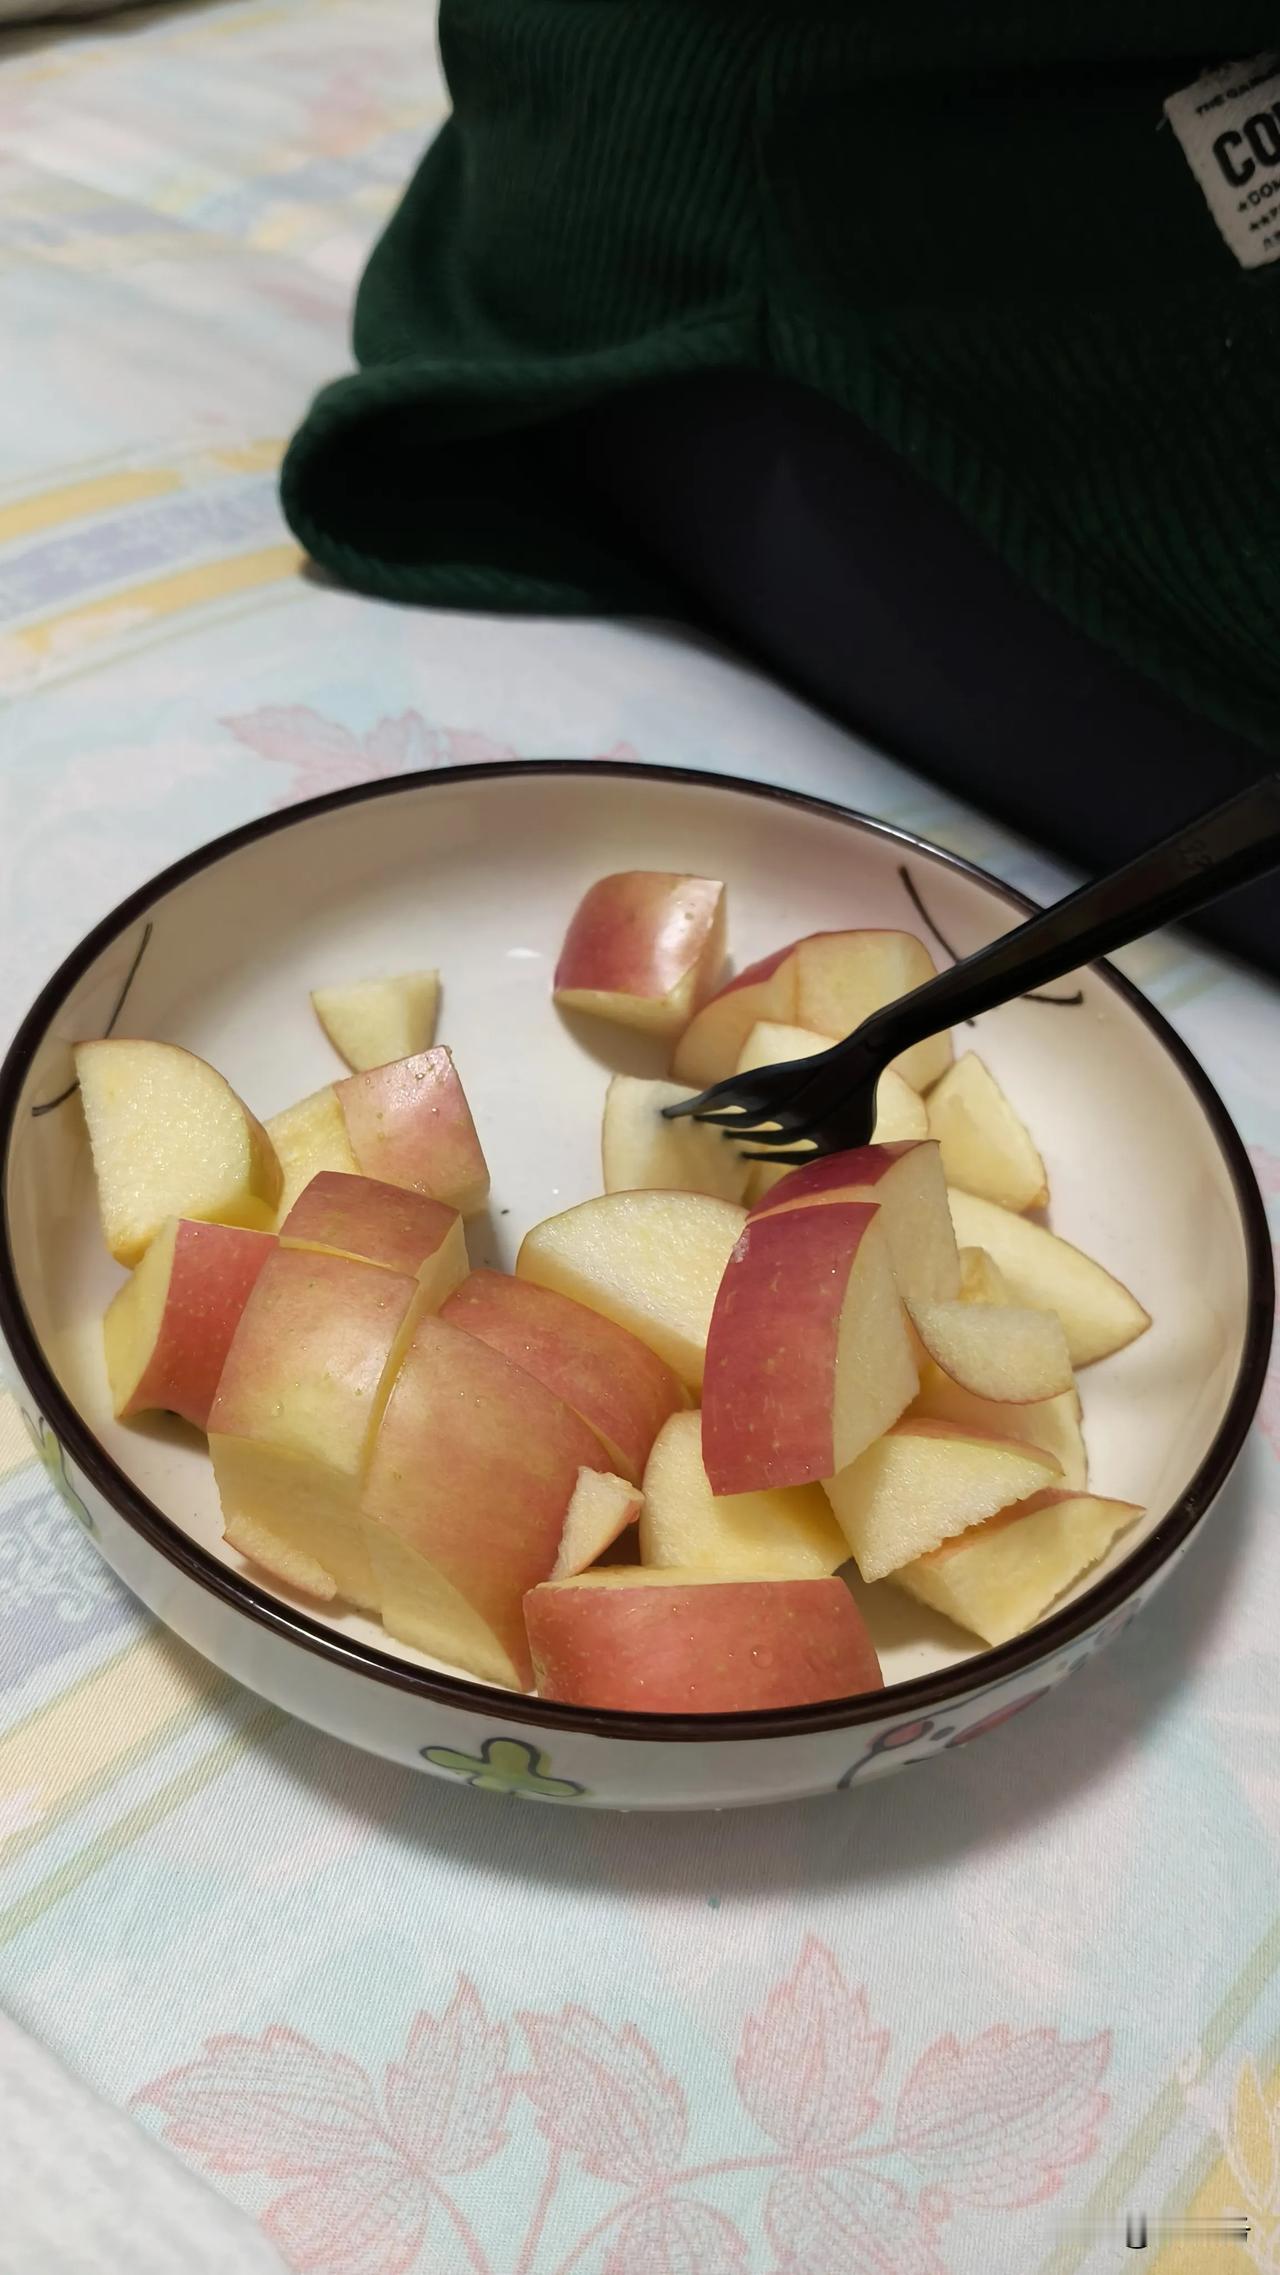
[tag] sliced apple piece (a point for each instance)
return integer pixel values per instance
(787, 1533)
(1099, 1315)
(842, 977)
(371, 1022)
(472, 1473)
(1052, 1423)
(170, 1138)
(981, 1279)
(906, 1183)
(382, 1224)
(409, 1123)
(925, 1481)
(692, 1643)
(601, 1509)
(650, 1261)
(168, 1329)
(999, 1577)
(310, 1138)
(1001, 1351)
(644, 948)
(296, 1412)
(808, 1357)
(614, 1382)
(985, 1148)
(900, 1110)
(641, 1152)
(712, 1042)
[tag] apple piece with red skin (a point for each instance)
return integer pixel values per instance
(613, 1381)
(372, 1022)
(998, 1578)
(1053, 1423)
(809, 1356)
(472, 1472)
(601, 1509)
(297, 1410)
(985, 1147)
(1098, 1314)
(640, 1641)
(922, 1482)
(829, 982)
(640, 1152)
(787, 1533)
(382, 1224)
(712, 1042)
(409, 1124)
(168, 1330)
(643, 948)
(906, 1183)
(652, 1262)
(170, 1138)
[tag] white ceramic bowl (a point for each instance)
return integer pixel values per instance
(477, 870)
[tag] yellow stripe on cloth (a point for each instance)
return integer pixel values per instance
(25, 517)
(136, 606)
(1247, 2180)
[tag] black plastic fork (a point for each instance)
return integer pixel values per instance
(827, 1103)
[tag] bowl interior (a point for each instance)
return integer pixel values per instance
(479, 877)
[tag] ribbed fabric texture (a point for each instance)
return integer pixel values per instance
(971, 228)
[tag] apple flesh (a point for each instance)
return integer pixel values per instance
(906, 1183)
(372, 1022)
(613, 1381)
(409, 1124)
(168, 1329)
(471, 1475)
(1051, 1423)
(1098, 1314)
(381, 1224)
(787, 1533)
(170, 1138)
(981, 1279)
(296, 1412)
(712, 1042)
(924, 1481)
(692, 1643)
(999, 1577)
(652, 1262)
(842, 977)
(808, 1357)
(643, 949)
(310, 1138)
(642, 1153)
(985, 1147)
(900, 1110)
(1007, 1352)
(601, 1509)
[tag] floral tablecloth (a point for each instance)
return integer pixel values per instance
(971, 2019)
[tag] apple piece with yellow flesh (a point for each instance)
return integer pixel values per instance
(372, 1022)
(680, 1642)
(900, 1110)
(650, 1261)
(985, 1148)
(925, 1481)
(296, 1412)
(643, 948)
(906, 1183)
(642, 1153)
(981, 1279)
(809, 1357)
(168, 1329)
(472, 1473)
(170, 1138)
(787, 1533)
(382, 1224)
(409, 1124)
(601, 1509)
(1098, 1314)
(713, 1040)
(1051, 1423)
(613, 1381)
(1007, 1352)
(310, 1138)
(999, 1577)
(842, 977)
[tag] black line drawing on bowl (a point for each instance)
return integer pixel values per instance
(1070, 1002)
(130, 976)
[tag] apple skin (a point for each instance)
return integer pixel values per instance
(409, 1124)
(827, 981)
(170, 1138)
(169, 1328)
(383, 1224)
(712, 1043)
(643, 948)
(905, 1180)
(296, 1411)
(618, 1386)
(795, 1388)
(693, 1643)
(472, 1472)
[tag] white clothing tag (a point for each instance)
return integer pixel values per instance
(1228, 123)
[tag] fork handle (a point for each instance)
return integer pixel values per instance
(1229, 846)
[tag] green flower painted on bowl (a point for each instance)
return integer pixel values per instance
(505, 1765)
(54, 1464)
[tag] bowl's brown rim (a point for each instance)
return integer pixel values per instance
(986, 1671)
